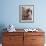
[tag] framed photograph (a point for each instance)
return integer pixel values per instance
(26, 13)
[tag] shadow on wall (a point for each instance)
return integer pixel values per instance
(2, 26)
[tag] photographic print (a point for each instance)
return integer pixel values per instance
(26, 13)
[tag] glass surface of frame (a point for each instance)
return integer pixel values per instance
(26, 13)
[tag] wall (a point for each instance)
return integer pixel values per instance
(9, 13)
